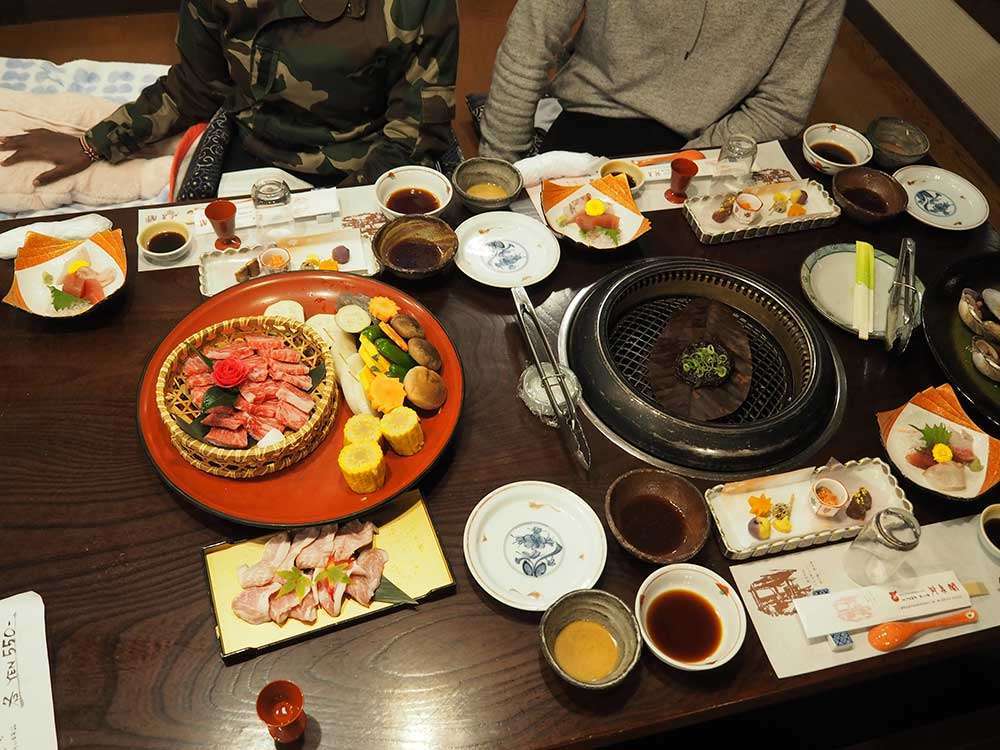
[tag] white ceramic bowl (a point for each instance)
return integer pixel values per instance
(147, 233)
(989, 512)
(822, 509)
(716, 590)
(830, 132)
(424, 178)
(626, 167)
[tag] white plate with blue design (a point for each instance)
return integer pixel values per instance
(528, 543)
(505, 249)
(942, 199)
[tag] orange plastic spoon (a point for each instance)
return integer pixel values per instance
(892, 635)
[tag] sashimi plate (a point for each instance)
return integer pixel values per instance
(313, 490)
(528, 543)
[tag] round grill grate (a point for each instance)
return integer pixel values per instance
(631, 344)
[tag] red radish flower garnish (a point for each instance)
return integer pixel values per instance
(229, 373)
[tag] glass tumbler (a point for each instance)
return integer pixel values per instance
(736, 161)
(272, 205)
(880, 548)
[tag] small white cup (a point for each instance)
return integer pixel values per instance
(820, 508)
(158, 227)
(747, 208)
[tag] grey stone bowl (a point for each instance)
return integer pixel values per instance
(484, 169)
(600, 607)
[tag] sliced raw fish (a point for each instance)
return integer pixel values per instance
(289, 416)
(227, 438)
(253, 604)
(305, 610)
(367, 576)
(946, 477)
(285, 355)
(297, 398)
(353, 536)
(73, 284)
(261, 573)
(317, 553)
(194, 364)
(93, 292)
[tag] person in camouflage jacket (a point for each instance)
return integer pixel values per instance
(325, 87)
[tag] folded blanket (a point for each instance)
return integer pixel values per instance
(100, 185)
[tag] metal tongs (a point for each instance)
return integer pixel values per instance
(565, 413)
(904, 300)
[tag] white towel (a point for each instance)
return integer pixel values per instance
(77, 228)
(554, 164)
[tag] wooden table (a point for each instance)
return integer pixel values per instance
(88, 524)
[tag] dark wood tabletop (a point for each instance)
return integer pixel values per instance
(88, 524)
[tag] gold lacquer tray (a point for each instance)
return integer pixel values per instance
(417, 566)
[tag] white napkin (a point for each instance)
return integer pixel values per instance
(78, 228)
(554, 164)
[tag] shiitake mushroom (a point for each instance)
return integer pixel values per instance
(406, 326)
(425, 388)
(424, 353)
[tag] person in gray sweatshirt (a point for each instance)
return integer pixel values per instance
(648, 75)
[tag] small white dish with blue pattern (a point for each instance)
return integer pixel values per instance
(941, 198)
(528, 543)
(504, 249)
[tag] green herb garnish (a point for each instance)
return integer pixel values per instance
(933, 434)
(295, 580)
(704, 361)
(334, 574)
(63, 301)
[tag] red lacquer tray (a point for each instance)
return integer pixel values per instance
(312, 491)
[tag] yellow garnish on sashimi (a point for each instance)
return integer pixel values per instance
(76, 265)
(594, 207)
(942, 453)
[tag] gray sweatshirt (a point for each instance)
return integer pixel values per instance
(704, 68)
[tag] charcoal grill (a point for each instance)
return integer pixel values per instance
(797, 390)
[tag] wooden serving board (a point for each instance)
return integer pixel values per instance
(701, 320)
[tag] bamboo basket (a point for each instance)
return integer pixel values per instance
(174, 401)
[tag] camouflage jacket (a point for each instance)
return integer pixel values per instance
(318, 86)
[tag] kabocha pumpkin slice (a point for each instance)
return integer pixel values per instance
(362, 428)
(402, 430)
(363, 467)
(385, 393)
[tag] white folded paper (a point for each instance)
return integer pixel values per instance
(27, 721)
(77, 228)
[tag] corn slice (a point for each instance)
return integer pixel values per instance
(363, 467)
(401, 427)
(362, 428)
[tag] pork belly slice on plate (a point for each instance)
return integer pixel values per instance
(305, 610)
(263, 342)
(200, 380)
(227, 438)
(262, 572)
(194, 365)
(353, 536)
(281, 606)
(253, 604)
(289, 416)
(367, 575)
(285, 355)
(331, 597)
(291, 369)
(317, 554)
(297, 398)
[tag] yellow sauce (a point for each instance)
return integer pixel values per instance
(488, 191)
(586, 651)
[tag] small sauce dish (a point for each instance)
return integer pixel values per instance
(635, 176)
(823, 137)
(603, 609)
(147, 242)
(415, 247)
(989, 530)
(486, 184)
(421, 180)
(827, 497)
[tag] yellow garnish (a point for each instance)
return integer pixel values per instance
(942, 453)
(794, 196)
(594, 207)
(780, 197)
(314, 259)
(76, 265)
(328, 264)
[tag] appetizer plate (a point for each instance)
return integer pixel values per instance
(528, 543)
(731, 511)
(217, 268)
(313, 490)
(822, 212)
(941, 198)
(504, 249)
(827, 279)
(417, 568)
(950, 340)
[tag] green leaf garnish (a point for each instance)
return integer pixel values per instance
(206, 360)
(216, 396)
(334, 574)
(390, 593)
(933, 434)
(317, 374)
(63, 301)
(294, 580)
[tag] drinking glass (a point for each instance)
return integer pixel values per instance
(736, 162)
(880, 547)
(272, 205)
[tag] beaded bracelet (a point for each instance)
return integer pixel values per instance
(89, 150)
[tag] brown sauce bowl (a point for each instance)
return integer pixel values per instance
(884, 186)
(421, 229)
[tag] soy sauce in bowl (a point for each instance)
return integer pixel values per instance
(866, 199)
(165, 242)
(414, 255)
(684, 625)
(412, 201)
(833, 152)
